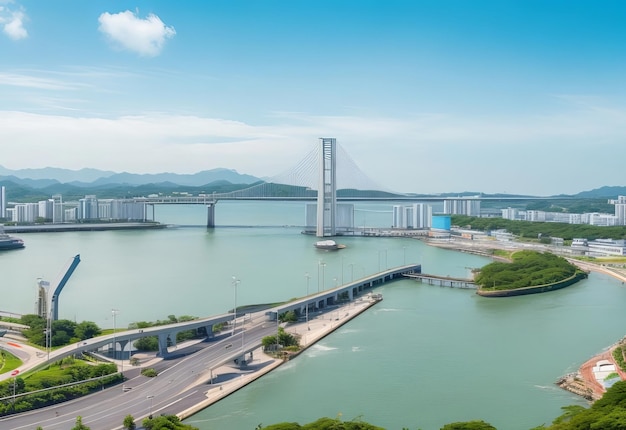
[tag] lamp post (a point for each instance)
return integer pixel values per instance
(322, 265)
(306, 311)
(404, 255)
(114, 312)
(150, 397)
(235, 283)
(342, 270)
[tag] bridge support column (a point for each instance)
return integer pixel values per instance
(209, 331)
(210, 219)
(163, 344)
(123, 344)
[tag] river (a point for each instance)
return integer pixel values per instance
(423, 357)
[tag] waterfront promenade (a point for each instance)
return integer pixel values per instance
(226, 379)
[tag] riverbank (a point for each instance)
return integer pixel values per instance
(53, 228)
(226, 380)
(584, 382)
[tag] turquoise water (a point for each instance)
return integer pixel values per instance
(423, 357)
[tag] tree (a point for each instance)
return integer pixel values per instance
(129, 422)
(166, 422)
(289, 316)
(79, 424)
(469, 425)
(87, 330)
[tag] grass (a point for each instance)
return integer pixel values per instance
(9, 362)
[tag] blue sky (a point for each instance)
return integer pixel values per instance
(425, 96)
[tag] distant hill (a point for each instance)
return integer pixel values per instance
(93, 178)
(608, 192)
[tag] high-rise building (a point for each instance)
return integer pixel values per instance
(620, 209)
(462, 206)
(3, 202)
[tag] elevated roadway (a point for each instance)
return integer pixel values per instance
(185, 374)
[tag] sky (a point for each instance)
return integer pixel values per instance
(522, 97)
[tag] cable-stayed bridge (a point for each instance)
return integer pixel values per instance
(300, 182)
(325, 174)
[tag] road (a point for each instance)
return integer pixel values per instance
(181, 383)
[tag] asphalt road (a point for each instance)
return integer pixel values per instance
(181, 383)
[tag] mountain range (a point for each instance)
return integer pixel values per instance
(57, 180)
(94, 178)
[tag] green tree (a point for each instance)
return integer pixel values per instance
(129, 422)
(289, 316)
(149, 343)
(469, 425)
(60, 338)
(166, 422)
(79, 424)
(87, 330)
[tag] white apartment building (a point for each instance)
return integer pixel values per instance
(416, 216)
(3, 202)
(620, 209)
(46, 209)
(24, 212)
(462, 206)
(599, 219)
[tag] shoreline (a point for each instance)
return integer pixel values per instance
(319, 326)
(583, 382)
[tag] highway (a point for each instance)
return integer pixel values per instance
(181, 383)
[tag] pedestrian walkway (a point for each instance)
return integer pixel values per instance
(228, 379)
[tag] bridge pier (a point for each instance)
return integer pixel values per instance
(163, 344)
(209, 331)
(210, 219)
(123, 344)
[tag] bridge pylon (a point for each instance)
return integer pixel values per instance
(327, 188)
(210, 217)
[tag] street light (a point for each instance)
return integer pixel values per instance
(306, 311)
(114, 312)
(235, 283)
(322, 265)
(150, 397)
(404, 255)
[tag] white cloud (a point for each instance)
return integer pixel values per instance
(128, 31)
(12, 22)
(29, 81)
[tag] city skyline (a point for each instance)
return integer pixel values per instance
(426, 97)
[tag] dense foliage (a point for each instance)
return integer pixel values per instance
(284, 340)
(469, 425)
(528, 269)
(324, 424)
(64, 332)
(619, 354)
(534, 230)
(64, 372)
(608, 413)
(165, 422)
